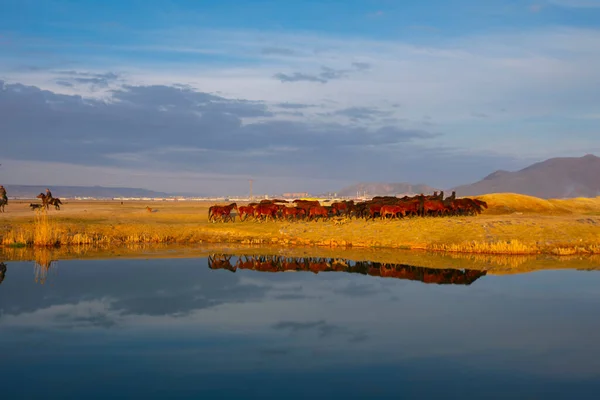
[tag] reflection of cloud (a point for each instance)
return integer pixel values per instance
(275, 352)
(356, 289)
(184, 301)
(292, 296)
(94, 319)
(322, 328)
(85, 314)
(145, 290)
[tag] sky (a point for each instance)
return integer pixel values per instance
(200, 97)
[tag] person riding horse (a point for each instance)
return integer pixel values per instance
(3, 198)
(48, 200)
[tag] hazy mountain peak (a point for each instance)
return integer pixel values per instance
(553, 178)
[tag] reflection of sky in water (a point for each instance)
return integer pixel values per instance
(175, 328)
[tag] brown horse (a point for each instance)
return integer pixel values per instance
(316, 212)
(245, 211)
(265, 210)
(2, 204)
(434, 207)
(2, 271)
(392, 211)
(293, 213)
(220, 261)
(223, 212)
(49, 201)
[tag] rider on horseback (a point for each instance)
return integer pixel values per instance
(3, 195)
(48, 193)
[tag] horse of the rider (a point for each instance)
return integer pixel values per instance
(48, 200)
(3, 198)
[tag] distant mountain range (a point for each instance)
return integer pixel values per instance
(99, 192)
(554, 178)
(384, 189)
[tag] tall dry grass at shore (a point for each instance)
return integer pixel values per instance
(513, 224)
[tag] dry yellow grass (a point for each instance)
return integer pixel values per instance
(513, 224)
(508, 203)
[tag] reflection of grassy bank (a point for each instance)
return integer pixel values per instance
(513, 224)
(494, 264)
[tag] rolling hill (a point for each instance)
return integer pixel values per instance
(562, 177)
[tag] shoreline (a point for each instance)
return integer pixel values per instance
(501, 230)
(494, 264)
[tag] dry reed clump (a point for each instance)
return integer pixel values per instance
(500, 260)
(501, 247)
(17, 237)
(572, 250)
(45, 231)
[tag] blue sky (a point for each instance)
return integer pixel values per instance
(299, 95)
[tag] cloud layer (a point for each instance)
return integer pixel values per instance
(299, 110)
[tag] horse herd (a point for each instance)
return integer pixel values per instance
(382, 207)
(273, 263)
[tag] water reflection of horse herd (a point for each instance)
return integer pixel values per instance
(378, 207)
(272, 263)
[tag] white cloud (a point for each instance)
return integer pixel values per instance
(533, 72)
(508, 77)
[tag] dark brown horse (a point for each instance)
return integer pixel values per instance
(2, 271)
(223, 212)
(316, 212)
(220, 261)
(49, 201)
(275, 263)
(266, 211)
(2, 204)
(245, 211)
(293, 213)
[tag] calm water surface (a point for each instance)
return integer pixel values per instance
(176, 328)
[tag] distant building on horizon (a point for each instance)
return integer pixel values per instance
(293, 195)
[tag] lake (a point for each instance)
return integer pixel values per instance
(231, 327)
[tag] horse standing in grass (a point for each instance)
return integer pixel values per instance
(3, 203)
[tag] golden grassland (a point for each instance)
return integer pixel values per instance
(513, 224)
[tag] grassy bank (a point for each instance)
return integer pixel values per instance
(513, 224)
